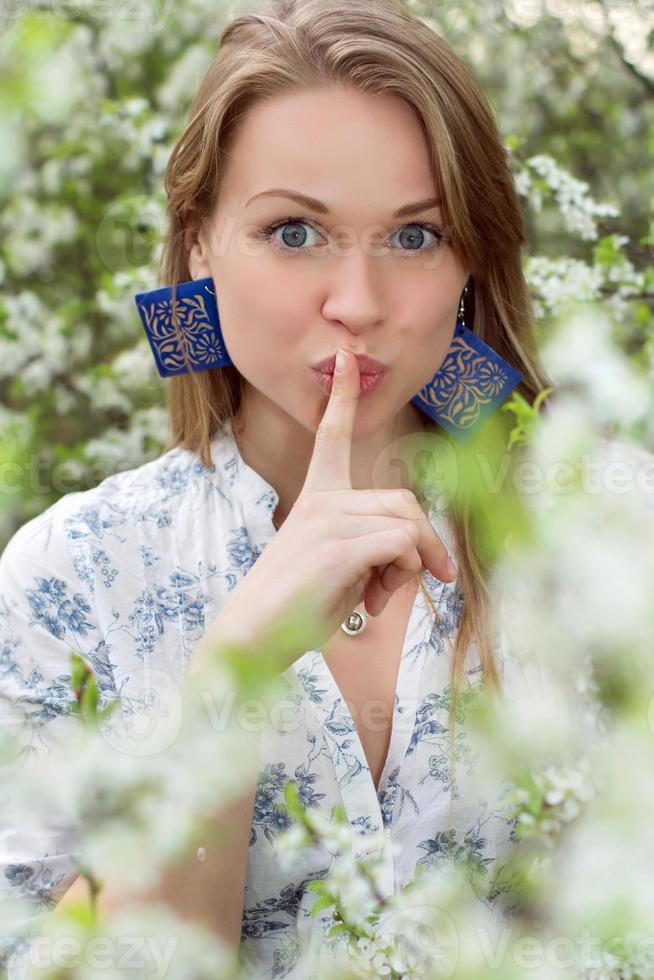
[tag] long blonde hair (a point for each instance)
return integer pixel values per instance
(378, 48)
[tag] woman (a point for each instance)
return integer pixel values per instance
(279, 479)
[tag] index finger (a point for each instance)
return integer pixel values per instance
(329, 467)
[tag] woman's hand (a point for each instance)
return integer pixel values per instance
(338, 546)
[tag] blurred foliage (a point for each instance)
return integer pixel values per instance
(92, 99)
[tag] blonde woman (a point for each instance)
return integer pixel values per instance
(342, 182)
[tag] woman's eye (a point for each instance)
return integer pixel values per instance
(412, 238)
(293, 234)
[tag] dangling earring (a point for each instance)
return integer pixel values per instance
(199, 343)
(469, 385)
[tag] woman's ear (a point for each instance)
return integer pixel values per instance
(196, 254)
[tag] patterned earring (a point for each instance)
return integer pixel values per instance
(470, 384)
(200, 343)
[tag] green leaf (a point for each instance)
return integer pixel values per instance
(89, 700)
(79, 669)
(108, 709)
(339, 815)
(291, 792)
(87, 694)
(325, 902)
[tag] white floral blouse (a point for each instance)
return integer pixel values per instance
(132, 572)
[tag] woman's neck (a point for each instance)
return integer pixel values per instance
(279, 449)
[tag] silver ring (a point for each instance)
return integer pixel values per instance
(355, 623)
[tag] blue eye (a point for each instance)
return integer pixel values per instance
(412, 236)
(295, 236)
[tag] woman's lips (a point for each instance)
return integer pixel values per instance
(367, 382)
(367, 365)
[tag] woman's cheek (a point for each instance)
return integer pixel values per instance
(429, 352)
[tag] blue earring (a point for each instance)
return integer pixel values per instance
(202, 345)
(469, 385)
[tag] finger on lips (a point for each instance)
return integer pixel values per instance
(329, 468)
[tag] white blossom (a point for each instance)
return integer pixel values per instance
(581, 353)
(577, 207)
(124, 449)
(557, 282)
(32, 230)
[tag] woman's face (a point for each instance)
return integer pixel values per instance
(350, 275)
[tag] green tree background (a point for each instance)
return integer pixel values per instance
(93, 95)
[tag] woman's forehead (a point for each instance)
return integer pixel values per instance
(335, 148)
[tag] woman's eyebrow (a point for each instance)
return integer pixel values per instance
(321, 208)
